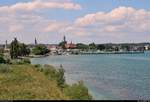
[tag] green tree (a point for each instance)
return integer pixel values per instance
(40, 50)
(125, 47)
(23, 50)
(77, 92)
(2, 60)
(61, 77)
(14, 49)
(101, 47)
(92, 46)
(1, 50)
(82, 46)
(62, 44)
(18, 49)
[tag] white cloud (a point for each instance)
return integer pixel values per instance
(118, 20)
(122, 23)
(55, 26)
(15, 28)
(39, 4)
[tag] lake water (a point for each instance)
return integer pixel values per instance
(108, 77)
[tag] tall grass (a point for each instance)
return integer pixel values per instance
(4, 68)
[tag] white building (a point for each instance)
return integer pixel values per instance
(147, 47)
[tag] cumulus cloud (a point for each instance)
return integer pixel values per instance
(15, 28)
(56, 26)
(122, 23)
(39, 4)
(118, 20)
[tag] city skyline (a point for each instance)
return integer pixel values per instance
(107, 21)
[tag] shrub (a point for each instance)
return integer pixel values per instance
(26, 61)
(2, 60)
(4, 68)
(77, 92)
(57, 75)
(61, 78)
(37, 66)
(50, 72)
(40, 50)
(8, 61)
(20, 61)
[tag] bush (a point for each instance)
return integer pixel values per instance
(77, 92)
(4, 68)
(58, 75)
(37, 66)
(20, 61)
(61, 78)
(2, 60)
(50, 72)
(26, 61)
(40, 50)
(8, 61)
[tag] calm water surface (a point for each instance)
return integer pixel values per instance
(114, 77)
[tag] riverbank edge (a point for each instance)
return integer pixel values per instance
(32, 66)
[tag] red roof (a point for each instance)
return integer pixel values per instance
(70, 46)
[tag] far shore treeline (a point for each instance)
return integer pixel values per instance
(17, 49)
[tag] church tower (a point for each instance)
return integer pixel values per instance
(6, 45)
(35, 41)
(64, 38)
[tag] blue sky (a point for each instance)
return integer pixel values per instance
(100, 21)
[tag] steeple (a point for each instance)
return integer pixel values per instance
(35, 41)
(6, 44)
(64, 38)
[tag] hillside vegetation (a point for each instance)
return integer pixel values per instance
(34, 82)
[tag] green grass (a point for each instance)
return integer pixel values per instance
(25, 82)
(36, 82)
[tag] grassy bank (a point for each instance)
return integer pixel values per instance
(32, 82)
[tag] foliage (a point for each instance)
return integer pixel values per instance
(26, 61)
(62, 44)
(61, 77)
(40, 50)
(101, 47)
(50, 72)
(77, 92)
(55, 75)
(14, 49)
(23, 50)
(92, 46)
(22, 78)
(37, 66)
(2, 60)
(20, 61)
(17, 49)
(125, 47)
(1, 50)
(82, 46)
(26, 83)
(4, 68)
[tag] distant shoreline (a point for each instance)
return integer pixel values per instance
(86, 53)
(128, 52)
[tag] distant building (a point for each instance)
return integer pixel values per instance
(35, 41)
(6, 49)
(64, 39)
(147, 47)
(54, 48)
(70, 46)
